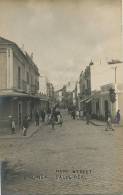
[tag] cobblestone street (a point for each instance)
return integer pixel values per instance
(75, 158)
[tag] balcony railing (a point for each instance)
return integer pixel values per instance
(32, 89)
(24, 86)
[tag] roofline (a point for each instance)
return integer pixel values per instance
(16, 46)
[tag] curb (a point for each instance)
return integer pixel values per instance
(102, 125)
(95, 124)
(23, 137)
(3, 165)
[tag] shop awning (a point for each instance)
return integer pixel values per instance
(83, 100)
(89, 100)
(16, 94)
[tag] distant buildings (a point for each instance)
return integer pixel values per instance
(76, 100)
(92, 92)
(43, 85)
(50, 93)
(59, 97)
(85, 89)
(50, 90)
(66, 96)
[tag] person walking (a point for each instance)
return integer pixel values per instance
(118, 117)
(77, 114)
(37, 118)
(108, 122)
(25, 126)
(60, 119)
(13, 126)
(43, 115)
(81, 114)
(53, 120)
(87, 118)
(73, 114)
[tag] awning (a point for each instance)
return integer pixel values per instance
(17, 94)
(44, 99)
(89, 100)
(83, 100)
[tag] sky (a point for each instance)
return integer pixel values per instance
(64, 35)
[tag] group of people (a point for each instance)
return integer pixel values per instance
(41, 114)
(24, 125)
(51, 116)
(26, 121)
(76, 114)
(54, 117)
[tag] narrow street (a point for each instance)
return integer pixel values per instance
(88, 159)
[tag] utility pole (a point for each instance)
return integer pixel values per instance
(114, 63)
(115, 68)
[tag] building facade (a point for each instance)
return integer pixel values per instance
(59, 97)
(19, 84)
(101, 102)
(85, 90)
(50, 94)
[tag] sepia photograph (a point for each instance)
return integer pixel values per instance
(61, 97)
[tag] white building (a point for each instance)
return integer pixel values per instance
(101, 102)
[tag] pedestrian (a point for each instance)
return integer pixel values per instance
(117, 119)
(81, 114)
(87, 118)
(60, 119)
(43, 115)
(108, 122)
(13, 126)
(37, 118)
(47, 118)
(25, 126)
(77, 114)
(52, 120)
(73, 114)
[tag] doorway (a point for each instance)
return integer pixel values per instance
(19, 114)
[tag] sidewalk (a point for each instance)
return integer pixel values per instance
(97, 122)
(18, 135)
(102, 123)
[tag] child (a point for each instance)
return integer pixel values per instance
(25, 126)
(60, 119)
(13, 126)
(108, 122)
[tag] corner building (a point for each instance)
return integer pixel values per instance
(19, 84)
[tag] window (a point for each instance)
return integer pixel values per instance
(19, 78)
(27, 75)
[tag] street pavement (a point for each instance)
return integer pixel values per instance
(73, 159)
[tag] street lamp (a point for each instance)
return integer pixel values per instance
(113, 62)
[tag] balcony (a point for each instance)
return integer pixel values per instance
(31, 89)
(24, 86)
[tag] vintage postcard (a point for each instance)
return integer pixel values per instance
(61, 97)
